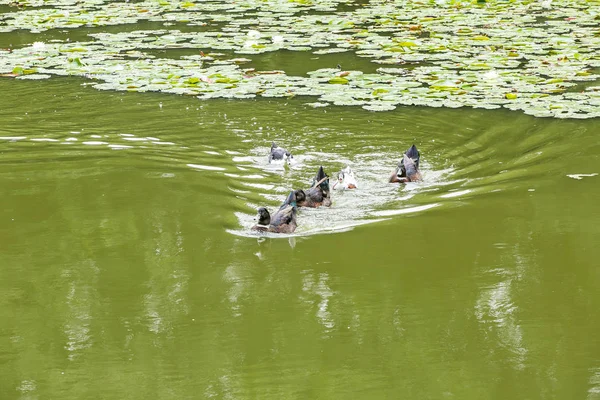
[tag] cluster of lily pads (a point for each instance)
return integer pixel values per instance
(541, 57)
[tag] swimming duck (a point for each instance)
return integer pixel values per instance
(279, 154)
(346, 179)
(283, 221)
(408, 167)
(318, 194)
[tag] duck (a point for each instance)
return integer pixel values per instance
(279, 154)
(284, 219)
(318, 194)
(346, 179)
(408, 167)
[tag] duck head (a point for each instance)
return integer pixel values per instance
(300, 195)
(264, 218)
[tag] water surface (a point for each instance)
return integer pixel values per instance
(128, 270)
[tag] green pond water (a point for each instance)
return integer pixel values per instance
(128, 269)
(132, 272)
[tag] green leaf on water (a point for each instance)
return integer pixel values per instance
(338, 81)
(379, 92)
(75, 61)
(448, 53)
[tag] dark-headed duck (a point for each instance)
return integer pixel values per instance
(408, 167)
(284, 219)
(318, 194)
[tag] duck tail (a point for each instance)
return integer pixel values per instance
(414, 154)
(320, 174)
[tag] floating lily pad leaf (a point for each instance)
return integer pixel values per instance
(317, 104)
(331, 50)
(447, 52)
(379, 107)
(34, 76)
(399, 71)
(380, 91)
(483, 105)
(338, 81)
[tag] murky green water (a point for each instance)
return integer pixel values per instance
(128, 271)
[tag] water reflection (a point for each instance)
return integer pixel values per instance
(232, 275)
(496, 309)
(319, 288)
(82, 281)
(166, 299)
(594, 390)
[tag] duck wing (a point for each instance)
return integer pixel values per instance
(285, 216)
(410, 166)
(315, 194)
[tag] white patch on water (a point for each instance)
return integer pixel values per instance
(408, 210)
(206, 167)
(94, 143)
(594, 382)
(12, 137)
(456, 194)
(166, 143)
(255, 176)
(581, 176)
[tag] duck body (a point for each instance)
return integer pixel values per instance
(408, 167)
(318, 194)
(284, 219)
(346, 180)
(279, 154)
